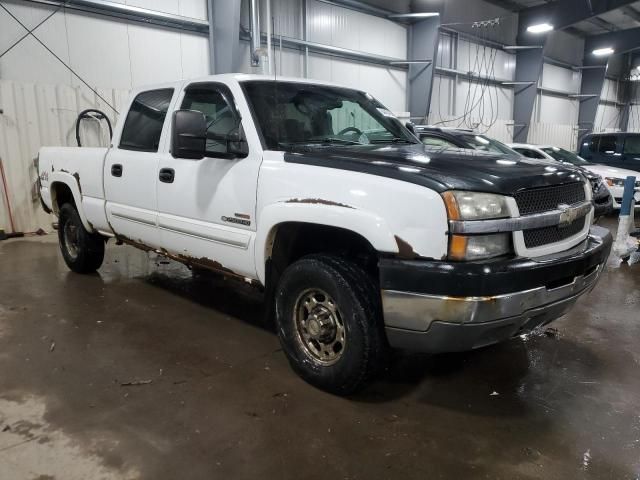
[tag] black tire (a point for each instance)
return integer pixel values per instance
(365, 348)
(83, 252)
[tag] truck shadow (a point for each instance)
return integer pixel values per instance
(506, 379)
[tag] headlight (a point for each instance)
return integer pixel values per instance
(474, 205)
(475, 247)
(615, 182)
(477, 206)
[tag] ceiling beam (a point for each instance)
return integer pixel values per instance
(631, 12)
(565, 13)
(621, 41)
(507, 5)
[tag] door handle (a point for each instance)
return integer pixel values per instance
(167, 175)
(116, 170)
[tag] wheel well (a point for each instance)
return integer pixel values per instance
(61, 194)
(290, 241)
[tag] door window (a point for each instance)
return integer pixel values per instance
(607, 145)
(529, 153)
(143, 126)
(221, 117)
(632, 145)
(436, 141)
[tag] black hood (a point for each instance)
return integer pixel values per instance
(441, 169)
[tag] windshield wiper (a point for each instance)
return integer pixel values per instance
(321, 141)
(341, 141)
(392, 140)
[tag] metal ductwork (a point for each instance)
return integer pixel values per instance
(259, 55)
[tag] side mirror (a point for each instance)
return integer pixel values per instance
(189, 139)
(411, 127)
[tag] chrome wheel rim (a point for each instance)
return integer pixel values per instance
(320, 329)
(71, 241)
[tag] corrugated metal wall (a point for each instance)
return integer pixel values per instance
(35, 115)
(342, 27)
(108, 53)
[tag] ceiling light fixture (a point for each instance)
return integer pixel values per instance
(540, 28)
(601, 52)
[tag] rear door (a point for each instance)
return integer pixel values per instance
(631, 151)
(131, 168)
(605, 149)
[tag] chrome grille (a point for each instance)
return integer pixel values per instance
(536, 237)
(537, 200)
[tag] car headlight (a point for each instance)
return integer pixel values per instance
(475, 205)
(614, 182)
(479, 206)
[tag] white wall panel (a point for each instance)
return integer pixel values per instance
(559, 78)
(36, 115)
(565, 136)
(634, 119)
(480, 101)
(342, 27)
(286, 16)
(607, 118)
(610, 90)
(556, 110)
(477, 58)
(146, 69)
(40, 62)
(106, 52)
(442, 97)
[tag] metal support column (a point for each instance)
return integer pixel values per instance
(528, 71)
(423, 43)
(590, 91)
(224, 35)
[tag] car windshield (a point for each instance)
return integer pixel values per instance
(291, 113)
(563, 155)
(480, 142)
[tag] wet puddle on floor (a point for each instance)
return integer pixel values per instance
(31, 448)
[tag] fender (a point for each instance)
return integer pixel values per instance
(368, 225)
(72, 182)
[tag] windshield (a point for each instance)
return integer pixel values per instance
(480, 142)
(291, 113)
(563, 155)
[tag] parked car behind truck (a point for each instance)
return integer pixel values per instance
(360, 243)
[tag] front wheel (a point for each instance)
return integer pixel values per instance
(330, 324)
(83, 252)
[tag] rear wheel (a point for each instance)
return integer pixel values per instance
(330, 323)
(83, 252)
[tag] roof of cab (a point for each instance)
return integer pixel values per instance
(238, 77)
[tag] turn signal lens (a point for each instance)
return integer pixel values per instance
(478, 246)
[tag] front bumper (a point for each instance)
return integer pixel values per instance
(432, 306)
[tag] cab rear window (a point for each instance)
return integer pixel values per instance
(143, 126)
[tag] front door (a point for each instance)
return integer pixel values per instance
(206, 209)
(131, 169)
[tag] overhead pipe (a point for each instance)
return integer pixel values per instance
(129, 12)
(254, 27)
(290, 42)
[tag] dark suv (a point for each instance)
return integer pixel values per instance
(620, 150)
(463, 138)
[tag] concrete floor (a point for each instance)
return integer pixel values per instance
(217, 398)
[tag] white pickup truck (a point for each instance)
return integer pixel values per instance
(361, 237)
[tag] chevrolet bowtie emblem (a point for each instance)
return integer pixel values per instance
(567, 214)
